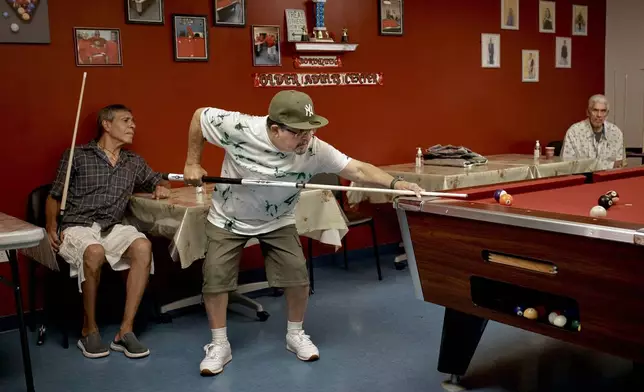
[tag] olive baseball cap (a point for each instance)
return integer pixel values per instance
(295, 110)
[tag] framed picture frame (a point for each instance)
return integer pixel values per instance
(97, 47)
(144, 12)
(580, 20)
(266, 46)
(229, 13)
(296, 26)
(510, 14)
(530, 66)
(391, 15)
(190, 37)
(547, 17)
(491, 50)
(25, 22)
(563, 54)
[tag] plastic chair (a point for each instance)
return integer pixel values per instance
(354, 219)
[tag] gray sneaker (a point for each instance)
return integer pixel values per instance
(130, 346)
(92, 346)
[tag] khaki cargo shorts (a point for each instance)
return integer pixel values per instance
(283, 258)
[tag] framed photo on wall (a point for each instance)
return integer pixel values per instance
(563, 52)
(491, 50)
(230, 13)
(24, 22)
(547, 16)
(144, 12)
(97, 46)
(579, 20)
(190, 37)
(510, 14)
(391, 14)
(266, 46)
(530, 65)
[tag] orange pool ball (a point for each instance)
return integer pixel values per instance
(505, 199)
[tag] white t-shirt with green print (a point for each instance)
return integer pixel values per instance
(252, 210)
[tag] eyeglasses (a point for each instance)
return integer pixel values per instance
(300, 134)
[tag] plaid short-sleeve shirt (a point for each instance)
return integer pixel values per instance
(99, 192)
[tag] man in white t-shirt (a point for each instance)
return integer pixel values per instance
(280, 146)
(595, 137)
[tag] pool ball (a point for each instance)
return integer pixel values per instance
(506, 199)
(498, 193)
(560, 321)
(530, 313)
(605, 201)
(598, 212)
(613, 195)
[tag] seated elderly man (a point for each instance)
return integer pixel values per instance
(595, 137)
(103, 177)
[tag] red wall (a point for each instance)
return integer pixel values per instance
(435, 90)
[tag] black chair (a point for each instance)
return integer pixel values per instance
(354, 219)
(557, 144)
(57, 292)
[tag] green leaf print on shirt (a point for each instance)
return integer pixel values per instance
(238, 146)
(241, 157)
(271, 209)
(299, 176)
(241, 127)
(279, 154)
(225, 194)
(220, 120)
(225, 141)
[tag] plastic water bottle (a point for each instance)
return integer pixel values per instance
(537, 150)
(419, 158)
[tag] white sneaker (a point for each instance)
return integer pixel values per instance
(301, 344)
(217, 356)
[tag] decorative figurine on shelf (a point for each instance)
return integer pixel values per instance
(345, 37)
(305, 35)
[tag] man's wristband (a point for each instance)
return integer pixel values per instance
(394, 181)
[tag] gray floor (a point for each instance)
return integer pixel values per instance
(373, 336)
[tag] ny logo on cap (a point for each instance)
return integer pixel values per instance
(309, 110)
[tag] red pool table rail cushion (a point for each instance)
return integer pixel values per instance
(609, 175)
(515, 188)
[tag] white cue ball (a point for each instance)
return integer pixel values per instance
(15, 27)
(552, 316)
(598, 212)
(560, 321)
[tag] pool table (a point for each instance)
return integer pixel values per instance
(485, 261)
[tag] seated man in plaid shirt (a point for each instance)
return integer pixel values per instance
(103, 177)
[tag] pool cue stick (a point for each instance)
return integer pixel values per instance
(63, 202)
(625, 98)
(284, 184)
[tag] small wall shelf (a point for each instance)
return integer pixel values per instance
(324, 47)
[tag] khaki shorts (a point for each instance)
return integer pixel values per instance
(283, 258)
(115, 242)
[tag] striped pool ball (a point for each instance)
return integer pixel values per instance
(498, 193)
(506, 199)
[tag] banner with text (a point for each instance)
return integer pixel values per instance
(317, 62)
(318, 79)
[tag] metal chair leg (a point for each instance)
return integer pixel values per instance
(344, 249)
(32, 295)
(310, 265)
(375, 247)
